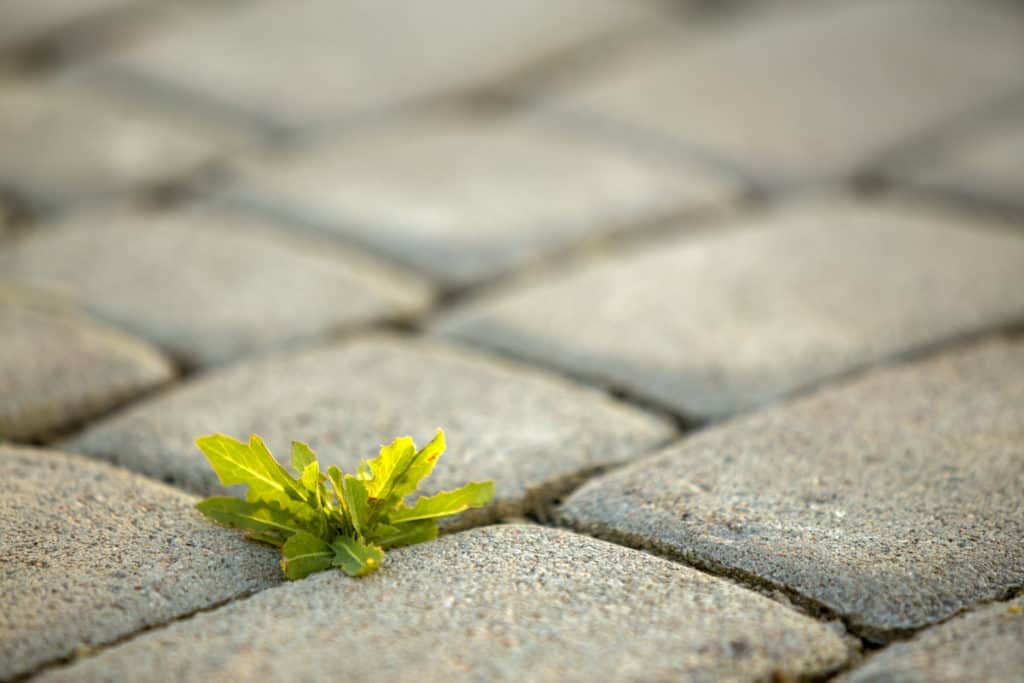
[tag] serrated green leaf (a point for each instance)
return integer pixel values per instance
(302, 456)
(305, 554)
(354, 557)
(473, 495)
(258, 516)
(249, 464)
(356, 503)
(271, 537)
(421, 466)
(388, 536)
(310, 481)
(292, 488)
(391, 463)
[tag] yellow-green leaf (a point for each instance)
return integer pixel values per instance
(473, 495)
(258, 516)
(305, 554)
(388, 536)
(391, 462)
(421, 466)
(354, 557)
(356, 503)
(302, 456)
(250, 464)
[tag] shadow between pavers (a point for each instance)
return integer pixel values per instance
(92, 553)
(892, 501)
(536, 435)
(507, 603)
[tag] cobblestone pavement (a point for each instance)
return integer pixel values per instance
(727, 298)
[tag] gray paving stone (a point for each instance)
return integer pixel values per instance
(531, 433)
(712, 324)
(986, 165)
(510, 192)
(505, 603)
(315, 60)
(58, 368)
(25, 22)
(46, 156)
(817, 90)
(981, 646)
(209, 285)
(92, 553)
(893, 501)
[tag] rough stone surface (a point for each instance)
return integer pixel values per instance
(530, 433)
(249, 61)
(986, 165)
(58, 368)
(92, 553)
(503, 603)
(24, 22)
(711, 324)
(981, 646)
(818, 88)
(894, 501)
(510, 191)
(208, 285)
(48, 158)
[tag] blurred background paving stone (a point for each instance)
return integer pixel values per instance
(92, 553)
(719, 322)
(986, 165)
(25, 21)
(312, 61)
(981, 646)
(58, 368)
(464, 198)
(816, 89)
(508, 603)
(894, 501)
(533, 434)
(63, 142)
(209, 285)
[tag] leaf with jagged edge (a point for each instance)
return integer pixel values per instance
(258, 516)
(475, 494)
(421, 466)
(249, 464)
(311, 481)
(356, 503)
(339, 513)
(388, 536)
(354, 557)
(302, 456)
(293, 488)
(391, 463)
(304, 554)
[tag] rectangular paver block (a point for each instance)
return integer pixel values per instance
(986, 164)
(58, 368)
(495, 604)
(316, 60)
(91, 554)
(893, 501)
(533, 434)
(817, 89)
(210, 285)
(61, 141)
(730, 319)
(984, 645)
(464, 198)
